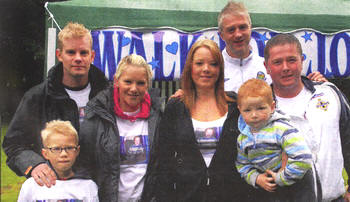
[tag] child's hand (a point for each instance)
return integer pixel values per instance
(266, 182)
(347, 197)
(272, 174)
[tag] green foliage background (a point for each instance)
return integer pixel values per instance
(10, 182)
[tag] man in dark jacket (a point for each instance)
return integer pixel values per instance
(63, 95)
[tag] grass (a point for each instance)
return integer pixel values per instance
(10, 182)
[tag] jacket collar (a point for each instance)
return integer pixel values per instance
(103, 105)
(308, 84)
(55, 87)
(54, 82)
(238, 61)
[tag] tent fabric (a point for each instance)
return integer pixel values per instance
(193, 15)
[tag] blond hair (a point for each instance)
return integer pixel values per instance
(255, 88)
(73, 30)
(187, 83)
(233, 8)
(135, 60)
(58, 127)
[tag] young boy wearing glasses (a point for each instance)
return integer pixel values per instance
(60, 149)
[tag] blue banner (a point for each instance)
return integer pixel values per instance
(166, 49)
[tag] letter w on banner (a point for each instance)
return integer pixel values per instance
(166, 49)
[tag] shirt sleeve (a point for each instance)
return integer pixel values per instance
(25, 192)
(243, 165)
(22, 142)
(299, 158)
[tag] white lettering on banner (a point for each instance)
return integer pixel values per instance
(166, 49)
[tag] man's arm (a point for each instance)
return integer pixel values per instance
(22, 142)
(344, 128)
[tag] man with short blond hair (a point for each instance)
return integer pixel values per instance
(63, 95)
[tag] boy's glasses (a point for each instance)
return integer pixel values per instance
(58, 150)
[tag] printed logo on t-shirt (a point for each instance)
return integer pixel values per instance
(321, 104)
(60, 200)
(81, 114)
(261, 75)
(208, 138)
(134, 150)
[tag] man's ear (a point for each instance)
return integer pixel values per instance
(220, 34)
(59, 54)
(267, 68)
(92, 55)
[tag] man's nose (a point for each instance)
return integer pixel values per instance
(238, 33)
(285, 65)
(77, 57)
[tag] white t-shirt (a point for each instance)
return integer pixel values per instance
(134, 154)
(64, 190)
(81, 98)
(295, 106)
(237, 70)
(207, 135)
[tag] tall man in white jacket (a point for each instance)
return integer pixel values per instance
(322, 110)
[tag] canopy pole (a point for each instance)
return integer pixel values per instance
(51, 16)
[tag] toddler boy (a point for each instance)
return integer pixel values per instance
(60, 149)
(265, 135)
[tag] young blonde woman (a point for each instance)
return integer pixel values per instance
(186, 164)
(114, 119)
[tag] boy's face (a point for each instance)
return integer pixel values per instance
(256, 111)
(62, 161)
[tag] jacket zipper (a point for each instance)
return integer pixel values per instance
(241, 64)
(208, 177)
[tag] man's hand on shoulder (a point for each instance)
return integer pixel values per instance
(317, 76)
(178, 94)
(44, 175)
